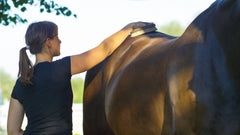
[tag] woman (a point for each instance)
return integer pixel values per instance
(43, 90)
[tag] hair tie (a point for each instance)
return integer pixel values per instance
(27, 47)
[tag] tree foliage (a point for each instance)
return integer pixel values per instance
(6, 84)
(8, 10)
(77, 87)
(173, 28)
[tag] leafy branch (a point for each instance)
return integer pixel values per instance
(8, 16)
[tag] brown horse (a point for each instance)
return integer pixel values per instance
(155, 84)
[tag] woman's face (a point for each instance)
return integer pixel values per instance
(55, 46)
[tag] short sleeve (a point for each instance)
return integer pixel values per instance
(16, 92)
(64, 66)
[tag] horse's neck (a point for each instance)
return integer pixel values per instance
(231, 51)
(212, 79)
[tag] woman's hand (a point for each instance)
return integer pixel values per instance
(136, 25)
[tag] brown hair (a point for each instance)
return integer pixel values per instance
(35, 37)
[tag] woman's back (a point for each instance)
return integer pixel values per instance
(48, 102)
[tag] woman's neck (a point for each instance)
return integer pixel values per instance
(43, 57)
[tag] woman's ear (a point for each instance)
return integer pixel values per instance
(48, 43)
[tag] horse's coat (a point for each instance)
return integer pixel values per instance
(157, 84)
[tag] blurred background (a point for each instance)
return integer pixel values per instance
(83, 24)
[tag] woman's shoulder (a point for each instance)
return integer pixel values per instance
(62, 66)
(63, 60)
(18, 90)
(19, 82)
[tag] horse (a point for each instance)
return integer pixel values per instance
(157, 84)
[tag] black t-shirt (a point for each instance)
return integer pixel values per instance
(48, 102)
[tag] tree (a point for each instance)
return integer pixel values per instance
(8, 15)
(173, 28)
(6, 84)
(77, 87)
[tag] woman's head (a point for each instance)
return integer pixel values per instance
(37, 35)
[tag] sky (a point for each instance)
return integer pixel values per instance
(96, 20)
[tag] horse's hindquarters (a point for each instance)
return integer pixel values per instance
(135, 97)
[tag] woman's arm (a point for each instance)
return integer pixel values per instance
(15, 117)
(88, 59)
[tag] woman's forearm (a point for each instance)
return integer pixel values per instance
(113, 42)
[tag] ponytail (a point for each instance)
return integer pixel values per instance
(35, 37)
(25, 72)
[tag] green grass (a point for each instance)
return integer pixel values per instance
(3, 132)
